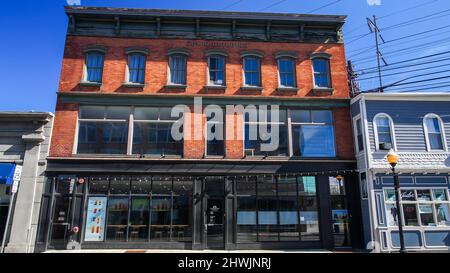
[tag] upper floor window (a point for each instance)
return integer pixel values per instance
(286, 70)
(215, 135)
(136, 68)
(383, 131)
(216, 69)
(313, 133)
(359, 135)
(152, 133)
(258, 131)
(94, 66)
(103, 130)
(434, 132)
(177, 69)
(321, 67)
(252, 71)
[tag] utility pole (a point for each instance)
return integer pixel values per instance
(353, 84)
(374, 29)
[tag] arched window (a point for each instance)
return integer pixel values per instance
(216, 70)
(177, 66)
(136, 67)
(434, 132)
(384, 132)
(94, 66)
(252, 70)
(321, 67)
(286, 72)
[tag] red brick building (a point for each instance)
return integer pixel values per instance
(112, 151)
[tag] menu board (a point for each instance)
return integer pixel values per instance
(95, 221)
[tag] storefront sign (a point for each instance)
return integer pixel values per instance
(16, 178)
(95, 222)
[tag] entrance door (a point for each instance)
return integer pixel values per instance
(340, 213)
(214, 218)
(60, 222)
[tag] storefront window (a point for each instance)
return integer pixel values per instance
(289, 229)
(424, 207)
(117, 219)
(246, 209)
(182, 210)
(139, 219)
(267, 218)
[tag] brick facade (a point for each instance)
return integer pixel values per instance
(156, 79)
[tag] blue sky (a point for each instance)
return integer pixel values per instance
(33, 36)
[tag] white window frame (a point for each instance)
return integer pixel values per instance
(417, 202)
(85, 68)
(391, 129)
(441, 127)
(127, 72)
(174, 53)
(294, 71)
(326, 57)
(215, 55)
(259, 59)
(355, 134)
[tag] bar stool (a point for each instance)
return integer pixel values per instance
(134, 234)
(120, 235)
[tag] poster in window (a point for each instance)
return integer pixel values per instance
(95, 221)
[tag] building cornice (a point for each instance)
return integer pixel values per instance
(403, 97)
(170, 99)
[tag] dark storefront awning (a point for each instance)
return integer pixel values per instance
(194, 168)
(7, 173)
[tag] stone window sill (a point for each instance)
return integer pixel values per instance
(176, 86)
(215, 87)
(133, 85)
(287, 89)
(319, 90)
(251, 88)
(94, 84)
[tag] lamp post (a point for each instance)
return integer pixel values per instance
(392, 158)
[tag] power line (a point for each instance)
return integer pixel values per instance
(324, 6)
(398, 83)
(272, 5)
(394, 13)
(403, 72)
(406, 66)
(414, 47)
(425, 86)
(232, 5)
(364, 49)
(409, 60)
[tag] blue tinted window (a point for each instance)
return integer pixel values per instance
(217, 70)
(434, 133)
(286, 71)
(136, 66)
(252, 71)
(177, 65)
(321, 73)
(94, 66)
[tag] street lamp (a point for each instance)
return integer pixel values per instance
(392, 158)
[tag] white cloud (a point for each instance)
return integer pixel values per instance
(73, 2)
(374, 2)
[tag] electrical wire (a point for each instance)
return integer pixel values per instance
(324, 6)
(272, 5)
(232, 5)
(403, 72)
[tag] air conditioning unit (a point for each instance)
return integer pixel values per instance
(385, 146)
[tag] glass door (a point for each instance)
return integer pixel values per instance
(339, 213)
(215, 223)
(60, 222)
(214, 212)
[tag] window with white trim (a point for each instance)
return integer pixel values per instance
(177, 68)
(94, 66)
(286, 72)
(252, 71)
(136, 68)
(420, 207)
(359, 135)
(321, 68)
(216, 70)
(434, 132)
(383, 132)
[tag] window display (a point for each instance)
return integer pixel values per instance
(95, 219)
